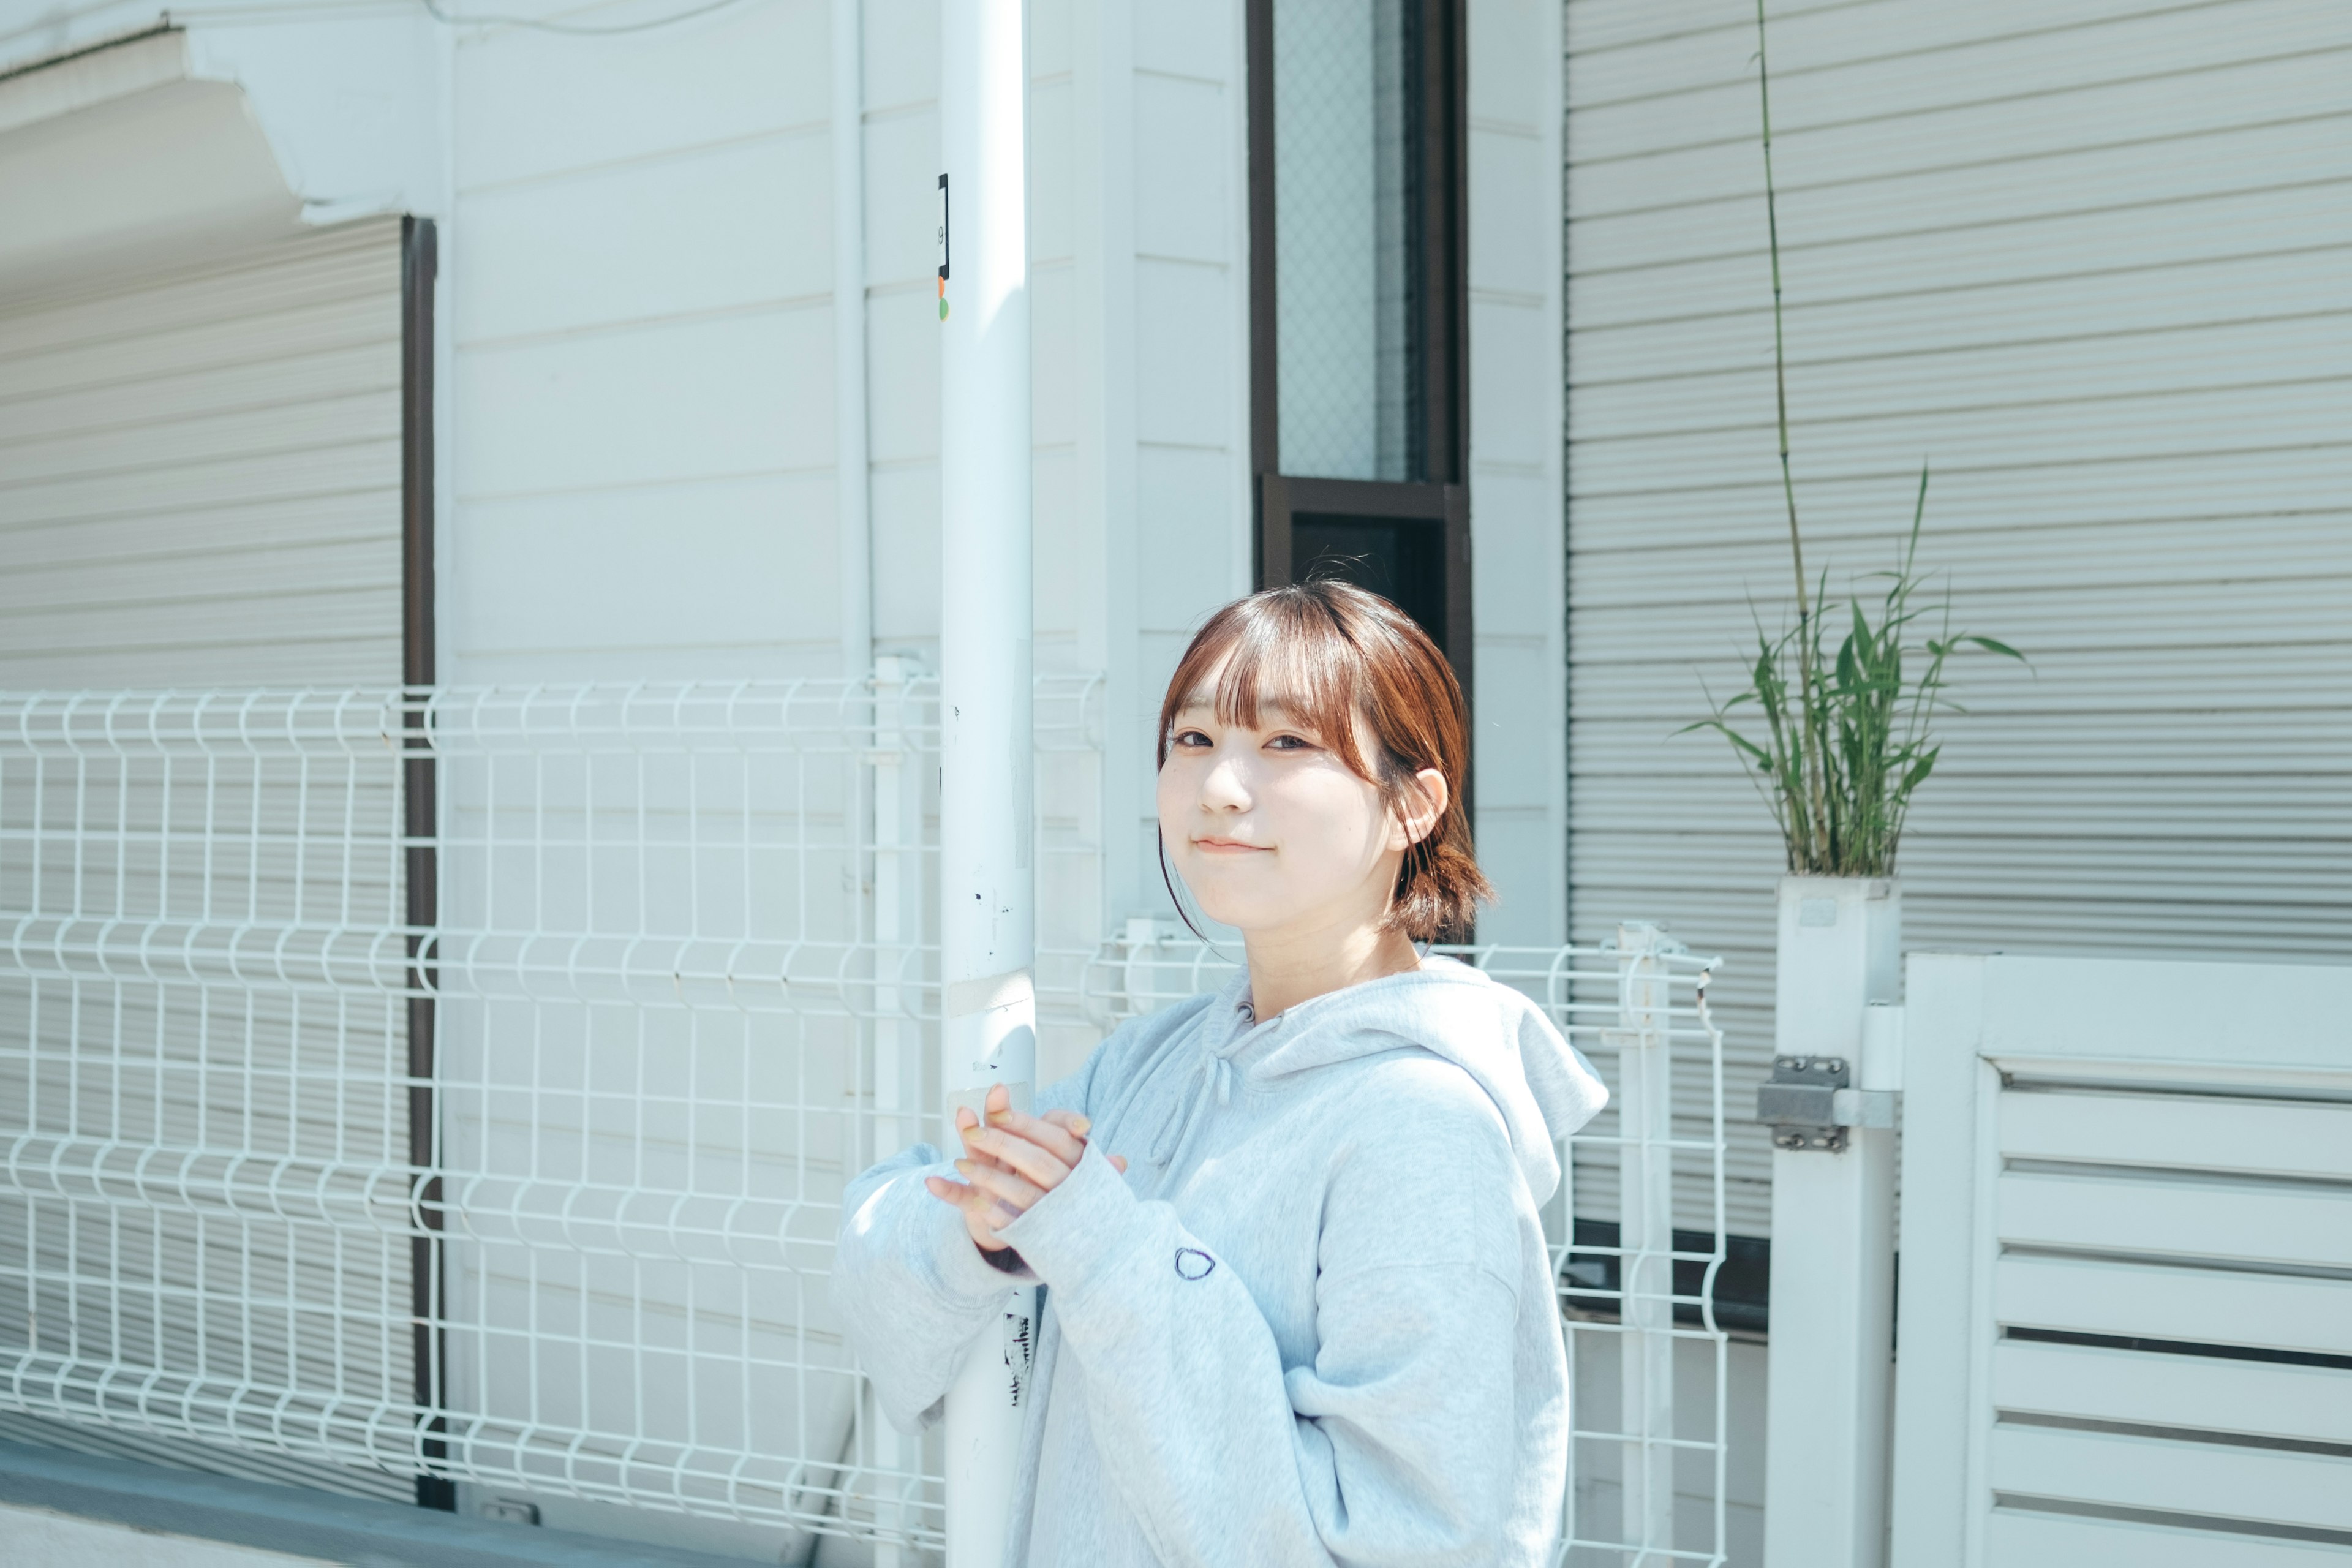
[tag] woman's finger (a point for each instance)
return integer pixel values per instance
(1058, 1140)
(981, 1212)
(1019, 1154)
(1000, 1184)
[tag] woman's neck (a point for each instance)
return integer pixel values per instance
(1287, 967)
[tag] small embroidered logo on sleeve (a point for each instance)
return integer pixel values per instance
(1192, 1263)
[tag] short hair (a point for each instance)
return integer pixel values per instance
(1326, 652)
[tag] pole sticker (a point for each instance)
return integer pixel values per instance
(943, 247)
(1019, 1352)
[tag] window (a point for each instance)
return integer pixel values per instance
(1356, 302)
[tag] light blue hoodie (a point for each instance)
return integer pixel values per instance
(1314, 1323)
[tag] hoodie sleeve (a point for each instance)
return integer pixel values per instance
(1391, 1440)
(910, 1288)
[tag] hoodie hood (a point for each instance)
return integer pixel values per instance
(1542, 1086)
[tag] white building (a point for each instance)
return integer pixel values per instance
(356, 345)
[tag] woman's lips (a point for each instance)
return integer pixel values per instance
(1227, 846)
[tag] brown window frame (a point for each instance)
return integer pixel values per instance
(1440, 498)
(420, 269)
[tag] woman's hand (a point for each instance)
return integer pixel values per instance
(1009, 1163)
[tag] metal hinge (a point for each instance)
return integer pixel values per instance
(1810, 1103)
(1799, 1101)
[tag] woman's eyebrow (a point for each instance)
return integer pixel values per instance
(1273, 713)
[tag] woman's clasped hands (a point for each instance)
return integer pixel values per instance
(1011, 1161)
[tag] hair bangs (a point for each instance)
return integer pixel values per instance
(1276, 655)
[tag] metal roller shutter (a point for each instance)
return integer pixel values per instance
(200, 488)
(200, 474)
(2091, 261)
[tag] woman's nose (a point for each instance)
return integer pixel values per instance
(1225, 789)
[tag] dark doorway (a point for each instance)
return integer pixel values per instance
(1402, 561)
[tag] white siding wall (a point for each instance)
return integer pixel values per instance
(638, 272)
(2089, 261)
(1519, 586)
(1185, 84)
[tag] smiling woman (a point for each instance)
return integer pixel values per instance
(1321, 719)
(1287, 1342)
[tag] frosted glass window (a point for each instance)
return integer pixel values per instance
(1345, 129)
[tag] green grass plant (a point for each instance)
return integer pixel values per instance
(1838, 743)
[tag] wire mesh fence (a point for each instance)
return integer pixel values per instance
(462, 1083)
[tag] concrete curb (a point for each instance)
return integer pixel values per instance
(356, 1530)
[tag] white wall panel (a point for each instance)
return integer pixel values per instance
(671, 235)
(529, 104)
(639, 432)
(2088, 263)
(1517, 590)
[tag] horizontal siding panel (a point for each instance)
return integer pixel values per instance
(2244, 226)
(188, 531)
(1698, 148)
(2282, 423)
(1833, 34)
(1872, 373)
(145, 493)
(289, 381)
(366, 418)
(275, 295)
(2267, 481)
(672, 400)
(1989, 553)
(556, 255)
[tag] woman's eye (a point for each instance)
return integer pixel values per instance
(1290, 744)
(1192, 738)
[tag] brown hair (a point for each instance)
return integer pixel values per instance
(1326, 652)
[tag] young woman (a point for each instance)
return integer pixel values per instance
(1299, 1308)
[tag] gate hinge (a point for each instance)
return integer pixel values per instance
(1809, 1102)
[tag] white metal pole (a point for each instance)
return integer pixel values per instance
(986, 925)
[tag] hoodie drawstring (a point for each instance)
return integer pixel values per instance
(1215, 1075)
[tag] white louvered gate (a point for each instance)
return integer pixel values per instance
(2125, 1322)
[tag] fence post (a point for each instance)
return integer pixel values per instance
(1646, 1242)
(1831, 1104)
(898, 1069)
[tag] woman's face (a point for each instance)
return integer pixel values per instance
(1271, 829)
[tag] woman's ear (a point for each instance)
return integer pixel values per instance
(1418, 815)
